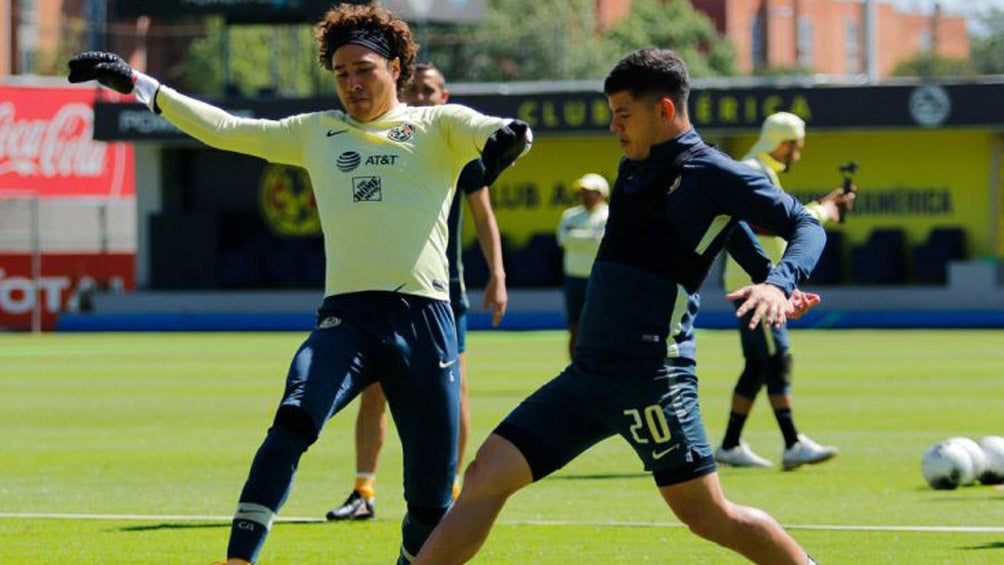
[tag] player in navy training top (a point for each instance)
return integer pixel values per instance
(674, 207)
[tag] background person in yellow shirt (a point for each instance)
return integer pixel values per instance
(579, 234)
(766, 349)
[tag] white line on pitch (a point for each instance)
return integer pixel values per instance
(966, 529)
(208, 518)
(141, 517)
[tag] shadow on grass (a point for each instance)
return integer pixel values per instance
(988, 545)
(951, 495)
(188, 526)
(597, 476)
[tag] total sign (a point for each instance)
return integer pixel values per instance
(18, 297)
(62, 276)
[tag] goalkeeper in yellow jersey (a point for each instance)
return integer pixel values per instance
(384, 176)
(428, 88)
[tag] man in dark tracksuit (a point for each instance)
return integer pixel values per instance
(673, 208)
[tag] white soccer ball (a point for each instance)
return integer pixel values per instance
(977, 456)
(993, 450)
(945, 464)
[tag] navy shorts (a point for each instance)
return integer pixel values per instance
(575, 298)
(654, 409)
(408, 344)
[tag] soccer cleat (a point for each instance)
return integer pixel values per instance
(806, 452)
(740, 456)
(355, 507)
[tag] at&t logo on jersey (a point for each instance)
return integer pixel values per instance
(366, 189)
(376, 160)
(403, 132)
(348, 161)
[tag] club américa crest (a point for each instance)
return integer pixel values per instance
(401, 133)
(287, 203)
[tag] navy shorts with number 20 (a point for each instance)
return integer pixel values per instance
(654, 409)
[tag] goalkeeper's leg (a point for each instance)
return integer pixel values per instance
(311, 395)
(269, 481)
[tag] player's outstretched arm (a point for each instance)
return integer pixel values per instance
(268, 139)
(113, 72)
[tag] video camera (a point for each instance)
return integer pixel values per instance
(848, 170)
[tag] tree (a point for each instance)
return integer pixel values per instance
(674, 24)
(987, 48)
(533, 40)
(529, 40)
(280, 58)
(519, 40)
(930, 65)
(72, 40)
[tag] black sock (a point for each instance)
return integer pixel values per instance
(787, 425)
(734, 430)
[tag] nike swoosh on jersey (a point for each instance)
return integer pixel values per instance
(445, 364)
(332, 132)
(663, 453)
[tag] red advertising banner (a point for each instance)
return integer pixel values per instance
(46, 145)
(63, 276)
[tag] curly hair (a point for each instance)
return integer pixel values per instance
(370, 17)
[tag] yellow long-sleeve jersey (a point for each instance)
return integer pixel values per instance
(383, 188)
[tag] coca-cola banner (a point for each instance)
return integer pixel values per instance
(47, 145)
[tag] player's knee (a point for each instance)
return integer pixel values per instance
(779, 373)
(701, 522)
(427, 514)
(296, 421)
(751, 379)
(708, 522)
(482, 480)
(475, 478)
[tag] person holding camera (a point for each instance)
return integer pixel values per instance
(766, 348)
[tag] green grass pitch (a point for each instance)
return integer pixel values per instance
(142, 442)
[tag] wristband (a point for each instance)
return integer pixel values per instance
(146, 90)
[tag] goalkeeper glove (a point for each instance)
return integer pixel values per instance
(112, 71)
(503, 147)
